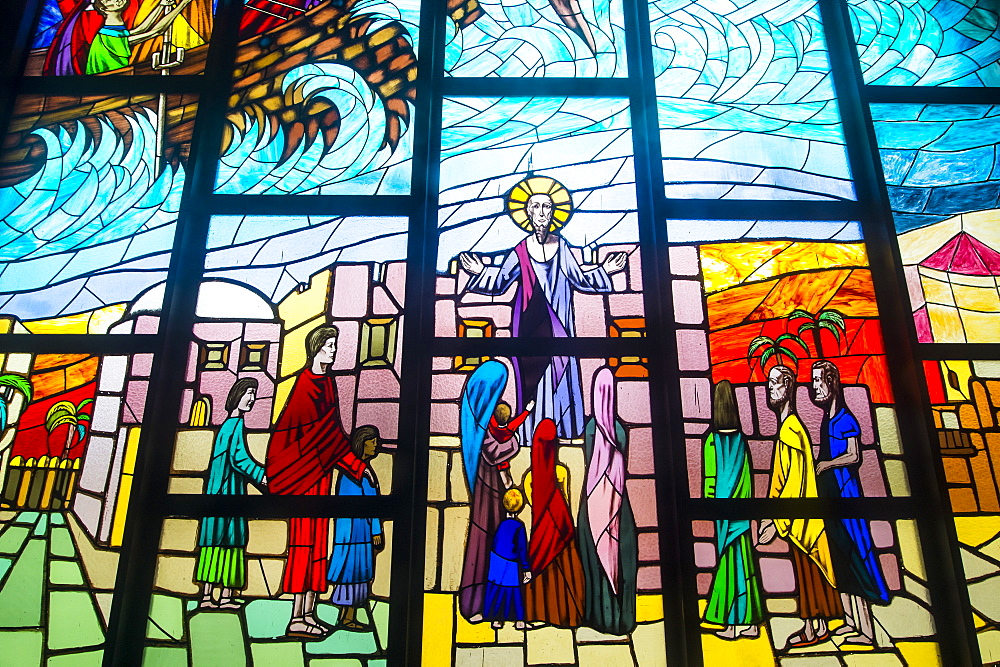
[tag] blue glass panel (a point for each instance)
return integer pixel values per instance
(928, 42)
(89, 207)
(580, 38)
(745, 100)
(941, 167)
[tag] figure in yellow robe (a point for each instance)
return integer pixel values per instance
(192, 28)
(793, 475)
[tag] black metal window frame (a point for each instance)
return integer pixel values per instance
(151, 503)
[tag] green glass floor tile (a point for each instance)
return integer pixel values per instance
(57, 519)
(21, 647)
(85, 659)
(5, 565)
(380, 610)
(285, 654)
(27, 518)
(342, 643)
(12, 539)
(335, 662)
(166, 618)
(61, 543)
(65, 573)
(164, 656)
(217, 639)
(267, 619)
(42, 526)
(73, 621)
(21, 595)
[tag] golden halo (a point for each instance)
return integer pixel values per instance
(562, 202)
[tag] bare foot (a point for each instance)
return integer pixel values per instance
(497, 625)
(751, 632)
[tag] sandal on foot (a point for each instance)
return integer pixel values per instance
(354, 626)
(798, 640)
(304, 630)
(208, 603)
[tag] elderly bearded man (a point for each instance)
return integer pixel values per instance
(547, 273)
(793, 476)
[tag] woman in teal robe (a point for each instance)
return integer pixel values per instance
(222, 541)
(734, 600)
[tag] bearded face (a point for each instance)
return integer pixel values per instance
(777, 390)
(539, 210)
(822, 393)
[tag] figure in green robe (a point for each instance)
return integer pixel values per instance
(111, 47)
(222, 541)
(735, 597)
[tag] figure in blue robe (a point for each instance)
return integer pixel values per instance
(508, 567)
(356, 541)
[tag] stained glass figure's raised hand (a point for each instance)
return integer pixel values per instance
(614, 262)
(471, 263)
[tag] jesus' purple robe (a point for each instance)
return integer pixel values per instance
(543, 308)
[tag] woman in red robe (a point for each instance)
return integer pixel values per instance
(308, 443)
(556, 592)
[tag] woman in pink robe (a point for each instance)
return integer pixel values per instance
(609, 547)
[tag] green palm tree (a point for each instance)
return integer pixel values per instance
(64, 412)
(831, 320)
(20, 384)
(766, 347)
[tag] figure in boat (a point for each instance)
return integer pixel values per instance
(105, 35)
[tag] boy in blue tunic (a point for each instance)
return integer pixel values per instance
(222, 557)
(509, 568)
(356, 541)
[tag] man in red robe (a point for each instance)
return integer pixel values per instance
(308, 443)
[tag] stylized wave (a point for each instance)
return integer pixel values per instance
(253, 165)
(746, 101)
(95, 203)
(527, 38)
(927, 43)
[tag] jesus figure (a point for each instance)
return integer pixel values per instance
(547, 273)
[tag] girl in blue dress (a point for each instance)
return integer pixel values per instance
(357, 540)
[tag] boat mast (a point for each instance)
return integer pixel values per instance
(168, 57)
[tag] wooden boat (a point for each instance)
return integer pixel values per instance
(328, 33)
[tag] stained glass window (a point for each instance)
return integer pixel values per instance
(141, 37)
(540, 332)
(927, 43)
(746, 103)
(940, 168)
